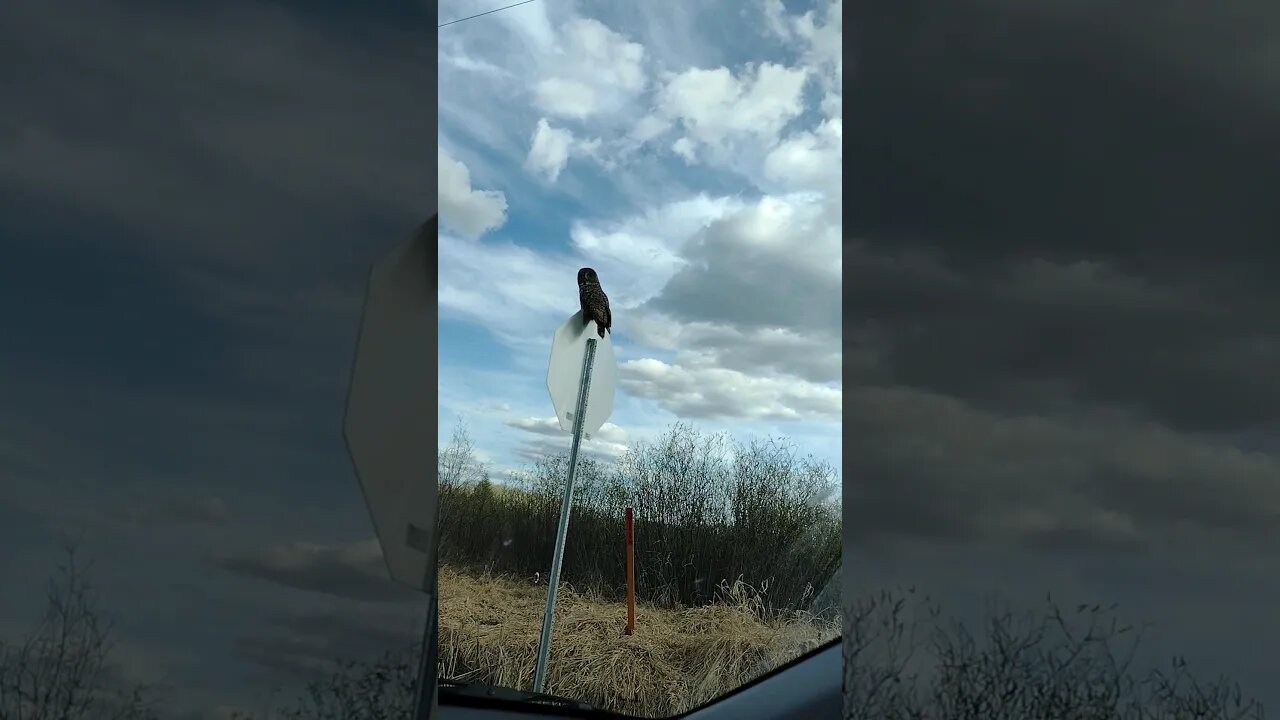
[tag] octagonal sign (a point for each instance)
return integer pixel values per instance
(564, 373)
(391, 409)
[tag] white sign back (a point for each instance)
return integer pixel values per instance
(564, 372)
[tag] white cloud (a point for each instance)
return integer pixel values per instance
(648, 128)
(608, 443)
(744, 120)
(593, 70)
(717, 393)
(776, 20)
(466, 211)
(541, 60)
(833, 105)
(819, 35)
(815, 357)
(550, 427)
(466, 63)
(808, 160)
(513, 291)
(823, 37)
(565, 98)
(716, 109)
(550, 149)
(685, 149)
(782, 252)
(637, 255)
(776, 357)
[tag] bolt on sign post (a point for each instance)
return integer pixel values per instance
(631, 574)
(390, 422)
(580, 378)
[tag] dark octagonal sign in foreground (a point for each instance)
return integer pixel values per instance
(391, 408)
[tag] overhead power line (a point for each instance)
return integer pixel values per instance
(487, 12)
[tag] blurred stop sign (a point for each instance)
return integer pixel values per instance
(390, 423)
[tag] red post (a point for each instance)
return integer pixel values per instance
(631, 575)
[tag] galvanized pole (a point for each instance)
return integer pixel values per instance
(544, 644)
(427, 665)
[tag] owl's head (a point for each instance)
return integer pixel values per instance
(587, 275)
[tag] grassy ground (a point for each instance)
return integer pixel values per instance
(676, 660)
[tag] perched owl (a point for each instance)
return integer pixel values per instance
(595, 304)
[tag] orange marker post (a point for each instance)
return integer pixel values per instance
(631, 575)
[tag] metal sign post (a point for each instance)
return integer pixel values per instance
(544, 644)
(426, 701)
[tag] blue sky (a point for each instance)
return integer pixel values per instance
(690, 152)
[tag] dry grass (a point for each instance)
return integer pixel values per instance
(677, 659)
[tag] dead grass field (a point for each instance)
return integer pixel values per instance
(677, 660)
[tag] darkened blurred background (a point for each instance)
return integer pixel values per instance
(1060, 259)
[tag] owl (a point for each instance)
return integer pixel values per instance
(595, 304)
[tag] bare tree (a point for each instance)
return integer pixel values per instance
(457, 463)
(383, 689)
(902, 663)
(62, 670)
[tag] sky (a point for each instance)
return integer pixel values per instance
(191, 196)
(1060, 273)
(690, 153)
